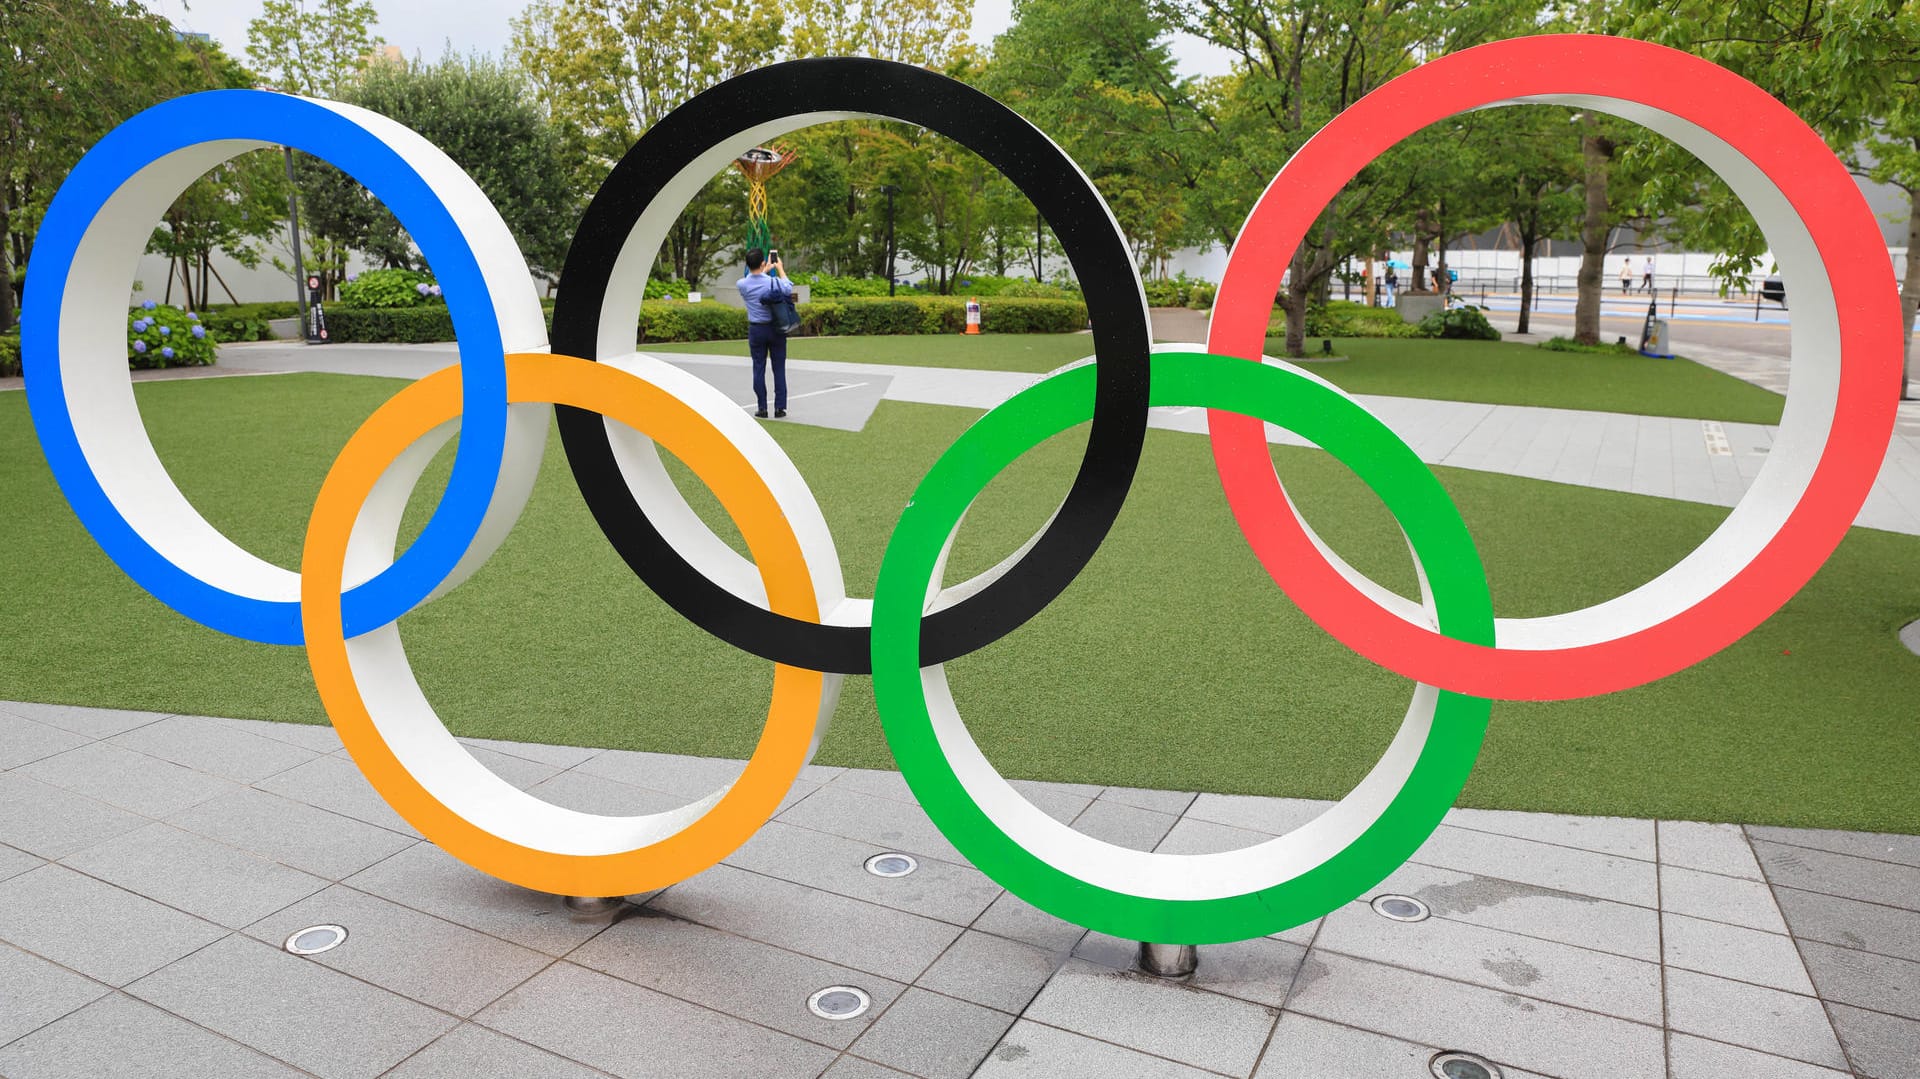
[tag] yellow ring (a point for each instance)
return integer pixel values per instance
(707, 835)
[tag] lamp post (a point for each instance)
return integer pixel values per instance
(293, 234)
(889, 190)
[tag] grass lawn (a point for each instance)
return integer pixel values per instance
(1172, 662)
(1489, 371)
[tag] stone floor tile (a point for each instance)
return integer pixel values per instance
(1711, 848)
(621, 1028)
(92, 722)
(1732, 951)
(1527, 966)
(1622, 837)
(1060, 801)
(877, 783)
(1698, 1058)
(1190, 835)
(1124, 825)
(745, 978)
(1877, 982)
(689, 777)
(38, 992)
(1305, 1046)
(1721, 899)
(1274, 816)
(132, 781)
(1879, 846)
(1822, 871)
(1536, 1035)
(95, 928)
(883, 822)
(215, 746)
(1881, 1046)
(314, 737)
(864, 936)
(23, 741)
(435, 962)
(1260, 970)
(1869, 927)
(562, 757)
(1174, 802)
(1032, 1051)
(933, 1036)
(126, 1039)
(1545, 865)
(1530, 910)
(593, 794)
(292, 1008)
(211, 880)
(1162, 1018)
(855, 1068)
(292, 833)
(429, 880)
(519, 771)
(336, 785)
(940, 890)
(1014, 918)
(15, 862)
(53, 822)
(470, 1052)
(1772, 1021)
(994, 971)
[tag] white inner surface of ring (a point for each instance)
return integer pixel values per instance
(1184, 876)
(100, 402)
(413, 731)
(1805, 421)
(639, 459)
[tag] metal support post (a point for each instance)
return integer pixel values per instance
(590, 908)
(1169, 960)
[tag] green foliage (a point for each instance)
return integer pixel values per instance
(1568, 344)
(1463, 323)
(826, 286)
(264, 309)
(1345, 318)
(406, 325)
(666, 288)
(1180, 291)
(165, 336)
(10, 353)
(388, 289)
(677, 320)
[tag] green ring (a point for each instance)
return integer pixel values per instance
(1291, 399)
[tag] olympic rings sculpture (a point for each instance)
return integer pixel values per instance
(787, 603)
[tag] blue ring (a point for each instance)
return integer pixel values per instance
(273, 118)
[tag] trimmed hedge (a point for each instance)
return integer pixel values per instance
(710, 320)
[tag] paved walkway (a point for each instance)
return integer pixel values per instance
(152, 866)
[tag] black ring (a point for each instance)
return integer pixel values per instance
(1086, 230)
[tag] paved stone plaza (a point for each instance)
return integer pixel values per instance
(151, 867)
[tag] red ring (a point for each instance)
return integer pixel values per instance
(1780, 145)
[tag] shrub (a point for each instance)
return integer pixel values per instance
(264, 310)
(1344, 318)
(826, 286)
(678, 320)
(162, 335)
(391, 324)
(1467, 323)
(10, 353)
(1568, 344)
(1200, 296)
(667, 288)
(388, 289)
(1176, 291)
(984, 285)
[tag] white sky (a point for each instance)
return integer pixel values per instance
(428, 26)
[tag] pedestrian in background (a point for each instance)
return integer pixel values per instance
(1646, 281)
(764, 281)
(1626, 276)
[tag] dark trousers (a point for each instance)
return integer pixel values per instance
(764, 342)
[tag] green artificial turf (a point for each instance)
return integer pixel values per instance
(1171, 662)
(1492, 372)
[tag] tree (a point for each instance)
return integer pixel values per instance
(1524, 166)
(70, 71)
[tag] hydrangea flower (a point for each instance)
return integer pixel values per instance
(166, 331)
(199, 331)
(139, 325)
(421, 288)
(167, 352)
(191, 317)
(139, 346)
(435, 290)
(149, 305)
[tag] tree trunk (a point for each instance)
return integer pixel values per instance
(1596, 152)
(1442, 280)
(1421, 226)
(1527, 240)
(1295, 305)
(6, 270)
(1910, 294)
